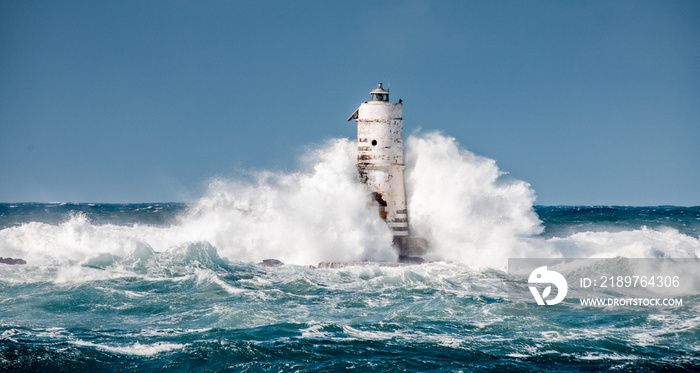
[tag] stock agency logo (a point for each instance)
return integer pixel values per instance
(542, 276)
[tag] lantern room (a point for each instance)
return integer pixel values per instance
(380, 94)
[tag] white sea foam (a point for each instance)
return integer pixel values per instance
(368, 335)
(207, 276)
(469, 210)
(319, 213)
(465, 206)
(638, 243)
(136, 349)
(74, 240)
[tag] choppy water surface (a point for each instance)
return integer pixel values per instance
(177, 287)
(189, 309)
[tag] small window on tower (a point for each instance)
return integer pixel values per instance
(374, 142)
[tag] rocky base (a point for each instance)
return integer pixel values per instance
(271, 263)
(365, 264)
(12, 261)
(411, 259)
(410, 247)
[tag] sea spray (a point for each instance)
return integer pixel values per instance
(77, 239)
(645, 242)
(465, 207)
(176, 287)
(321, 213)
(469, 210)
(459, 201)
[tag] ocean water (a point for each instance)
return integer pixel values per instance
(178, 287)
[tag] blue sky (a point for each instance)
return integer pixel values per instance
(592, 102)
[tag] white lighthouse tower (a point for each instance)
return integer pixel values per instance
(380, 163)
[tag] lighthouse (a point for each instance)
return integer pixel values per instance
(381, 167)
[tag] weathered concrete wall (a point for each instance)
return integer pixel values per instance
(380, 159)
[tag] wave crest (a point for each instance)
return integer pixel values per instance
(299, 217)
(468, 210)
(465, 206)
